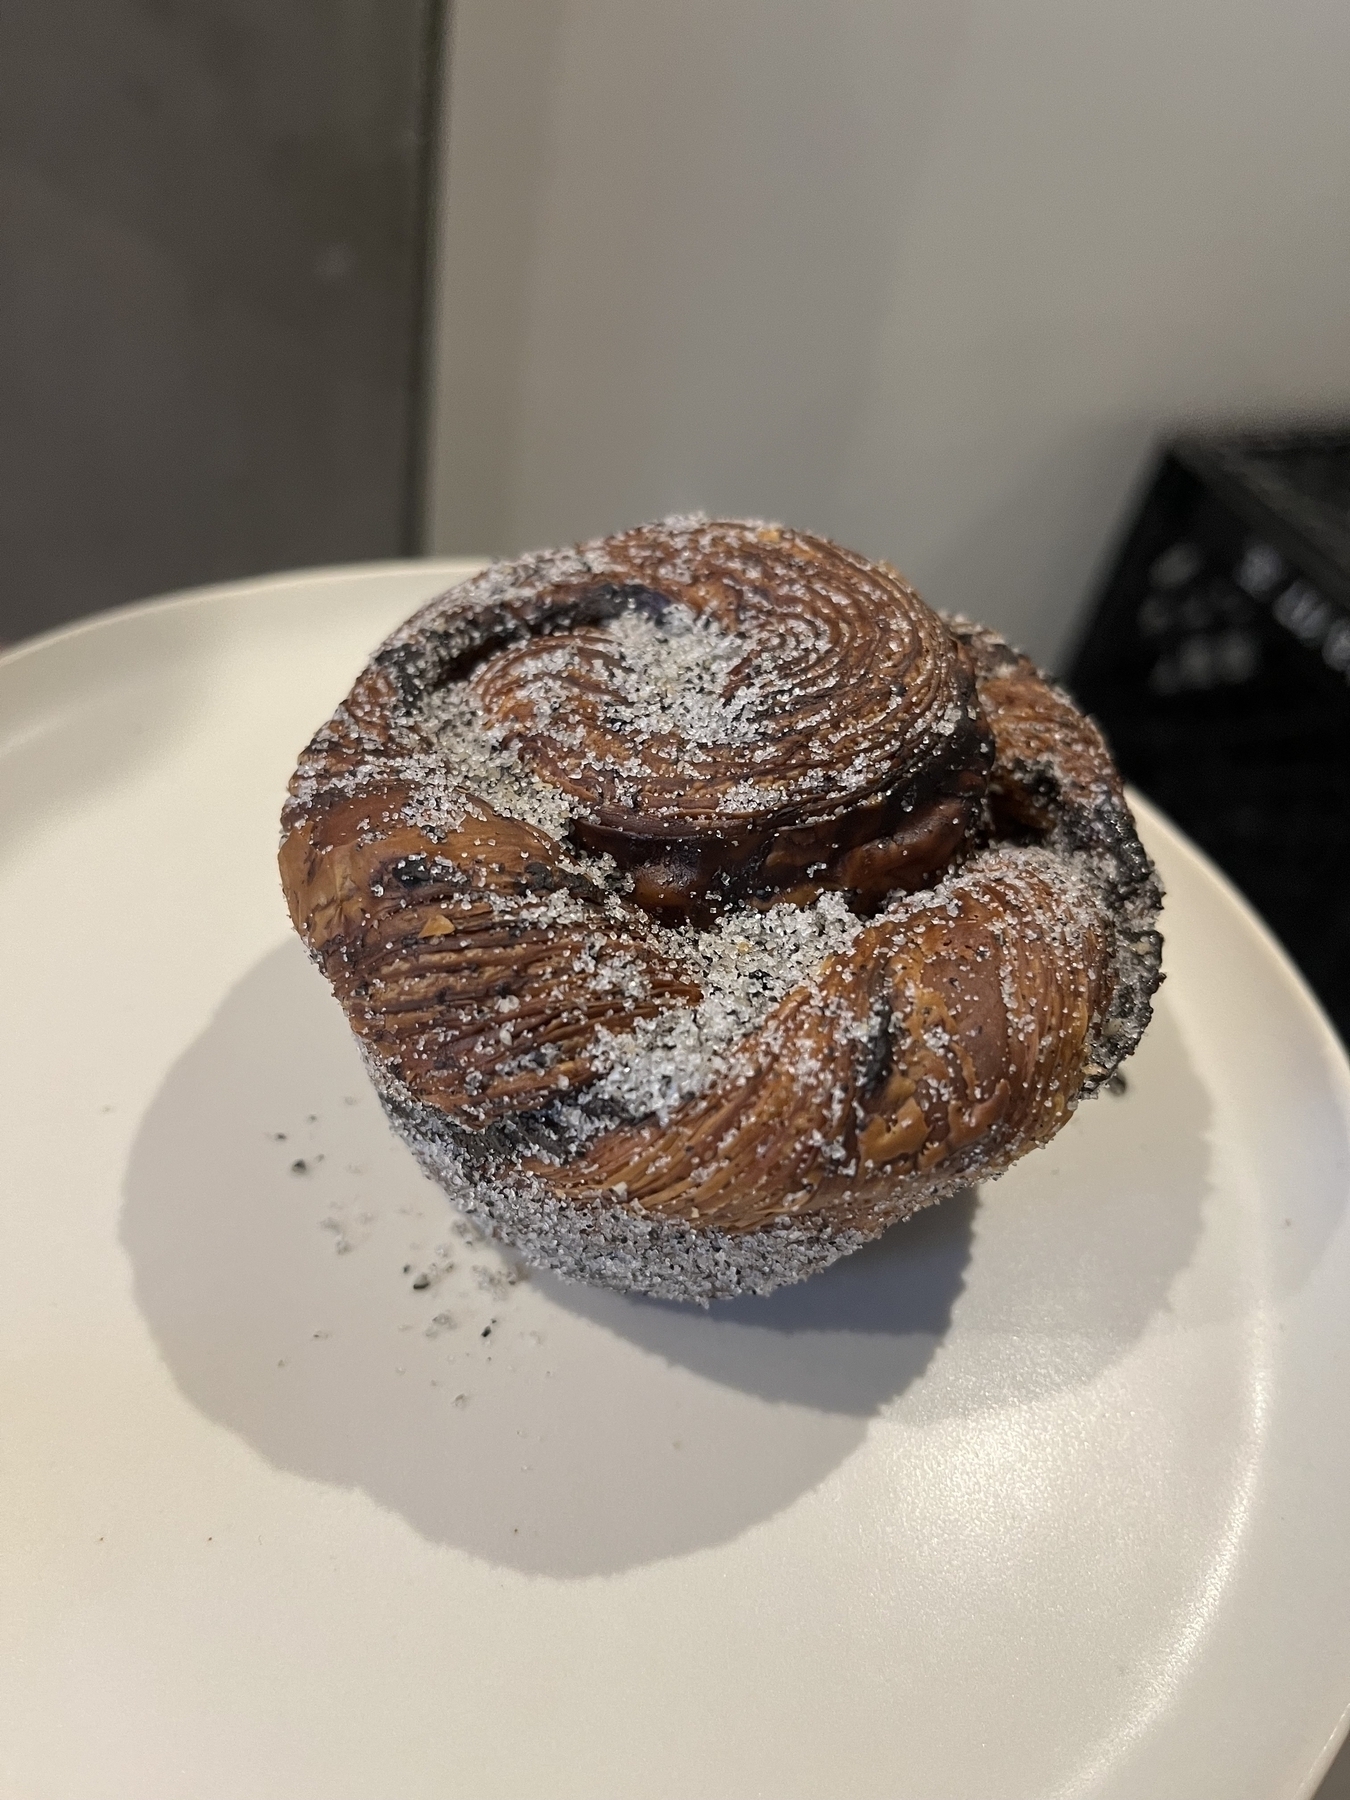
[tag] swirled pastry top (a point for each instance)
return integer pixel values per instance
(705, 871)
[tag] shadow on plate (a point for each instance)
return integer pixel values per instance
(276, 1230)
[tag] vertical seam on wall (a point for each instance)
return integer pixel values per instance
(431, 132)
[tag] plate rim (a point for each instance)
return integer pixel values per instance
(239, 587)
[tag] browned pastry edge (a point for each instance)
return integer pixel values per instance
(957, 1029)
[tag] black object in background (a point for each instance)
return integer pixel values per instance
(212, 279)
(1218, 662)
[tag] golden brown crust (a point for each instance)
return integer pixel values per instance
(809, 938)
(986, 1038)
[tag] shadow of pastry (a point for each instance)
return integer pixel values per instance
(276, 1229)
(848, 1340)
(313, 1293)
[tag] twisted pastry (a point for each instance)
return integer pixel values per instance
(703, 902)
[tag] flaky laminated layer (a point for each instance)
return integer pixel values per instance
(703, 902)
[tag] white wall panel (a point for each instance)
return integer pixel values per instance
(932, 277)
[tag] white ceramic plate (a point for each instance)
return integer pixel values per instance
(1046, 1495)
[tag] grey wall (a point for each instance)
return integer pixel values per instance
(929, 275)
(210, 284)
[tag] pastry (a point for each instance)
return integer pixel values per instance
(703, 902)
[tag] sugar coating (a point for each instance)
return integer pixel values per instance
(672, 675)
(687, 688)
(488, 767)
(667, 676)
(746, 966)
(609, 1245)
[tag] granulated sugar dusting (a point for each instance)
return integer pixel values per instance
(669, 675)
(795, 682)
(489, 768)
(745, 966)
(704, 903)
